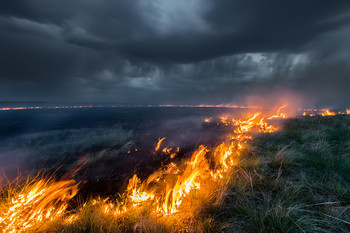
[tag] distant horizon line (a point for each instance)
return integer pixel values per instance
(129, 106)
(151, 106)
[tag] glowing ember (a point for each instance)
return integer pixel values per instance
(207, 120)
(323, 112)
(171, 152)
(158, 144)
(167, 150)
(175, 153)
(328, 113)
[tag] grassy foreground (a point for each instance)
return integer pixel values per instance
(293, 180)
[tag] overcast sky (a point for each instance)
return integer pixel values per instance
(175, 51)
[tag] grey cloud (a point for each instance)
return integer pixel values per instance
(164, 52)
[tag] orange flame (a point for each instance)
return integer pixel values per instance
(279, 114)
(327, 112)
(158, 144)
(171, 151)
(40, 201)
(172, 189)
(171, 199)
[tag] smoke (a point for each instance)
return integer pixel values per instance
(273, 99)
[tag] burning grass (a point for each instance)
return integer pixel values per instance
(248, 183)
(36, 204)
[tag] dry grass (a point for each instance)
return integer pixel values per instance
(295, 180)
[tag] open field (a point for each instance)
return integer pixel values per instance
(295, 179)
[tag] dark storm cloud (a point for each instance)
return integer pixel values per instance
(164, 51)
(230, 27)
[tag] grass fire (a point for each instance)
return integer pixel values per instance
(174, 116)
(203, 190)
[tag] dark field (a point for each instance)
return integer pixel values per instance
(113, 143)
(294, 180)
